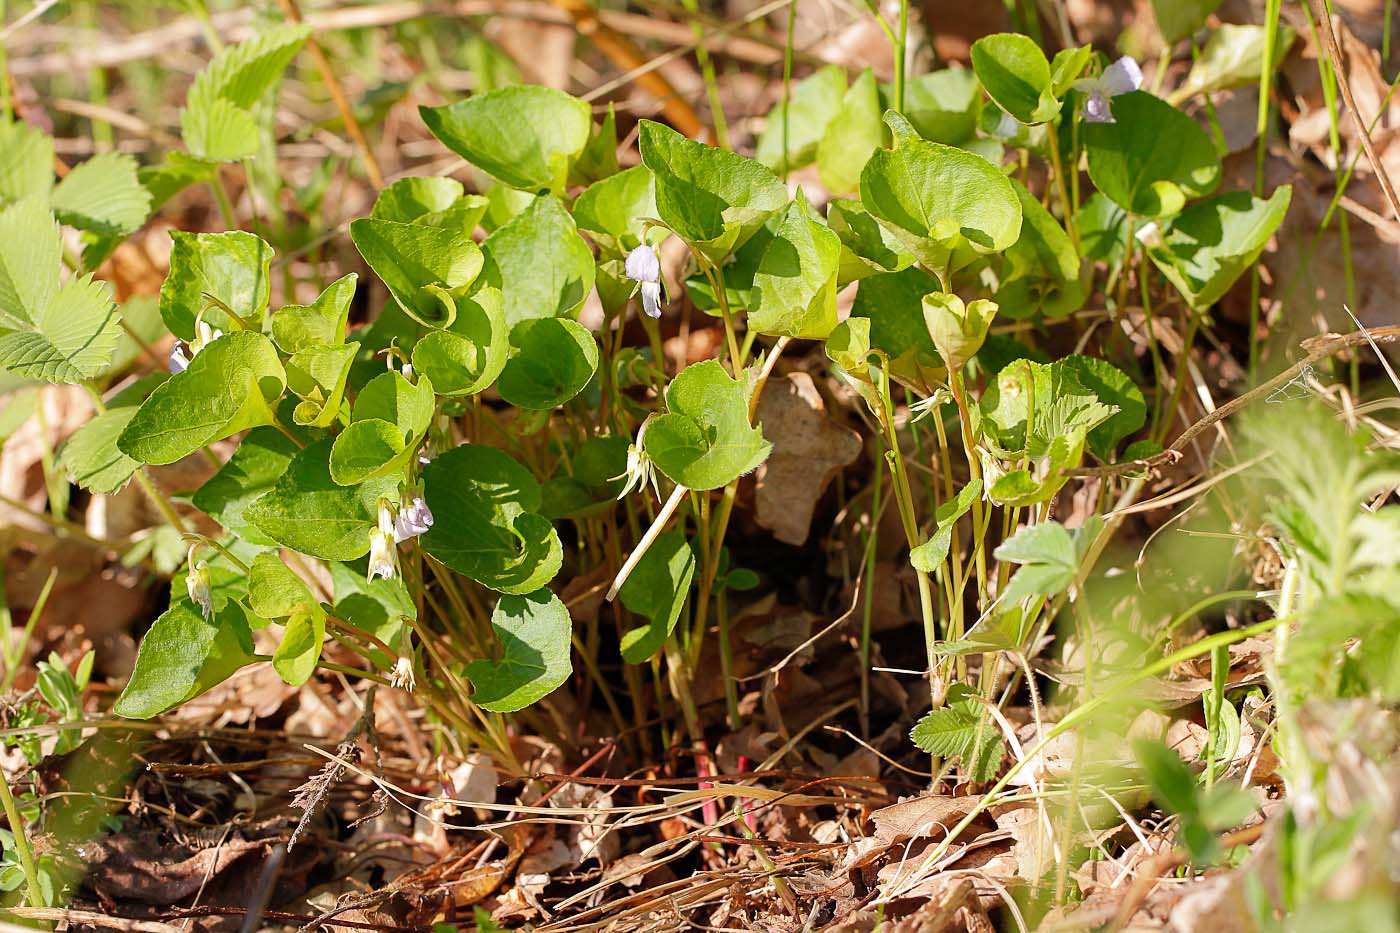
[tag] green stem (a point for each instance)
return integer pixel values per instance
(707, 70)
(26, 855)
(900, 54)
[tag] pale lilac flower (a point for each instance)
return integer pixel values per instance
(383, 557)
(197, 585)
(179, 361)
(1122, 77)
(1008, 126)
(644, 266)
(412, 520)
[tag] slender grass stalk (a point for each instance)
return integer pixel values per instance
(707, 71)
(901, 55)
(1261, 127)
(12, 658)
(868, 598)
(787, 83)
(32, 889)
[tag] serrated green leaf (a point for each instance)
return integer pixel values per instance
(962, 729)
(540, 263)
(26, 162)
(103, 195)
(215, 123)
(183, 655)
(534, 631)
(48, 331)
(1152, 158)
(275, 592)
(1112, 387)
(794, 291)
(526, 136)
(946, 205)
(553, 359)
(91, 458)
(309, 512)
(319, 324)
(712, 198)
(230, 386)
(487, 522)
(657, 591)
(1049, 558)
(705, 441)
(425, 268)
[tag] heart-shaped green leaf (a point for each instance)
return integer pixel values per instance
(705, 441)
(319, 324)
(183, 655)
(945, 204)
(468, 356)
(613, 210)
(48, 331)
(423, 267)
(1152, 158)
(867, 248)
(230, 386)
(711, 198)
(317, 375)
(211, 270)
(1017, 76)
(534, 632)
(408, 199)
(309, 512)
(1214, 242)
(390, 417)
(540, 263)
(852, 136)
(797, 127)
(259, 461)
(893, 303)
(553, 359)
(1234, 56)
(657, 591)
(486, 520)
(275, 592)
(526, 136)
(794, 292)
(944, 106)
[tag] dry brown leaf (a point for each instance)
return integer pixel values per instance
(808, 449)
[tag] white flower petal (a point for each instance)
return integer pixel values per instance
(1121, 77)
(1149, 234)
(643, 265)
(179, 362)
(651, 299)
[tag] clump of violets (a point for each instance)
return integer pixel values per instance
(1122, 77)
(644, 265)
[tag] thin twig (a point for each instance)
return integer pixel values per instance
(1319, 348)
